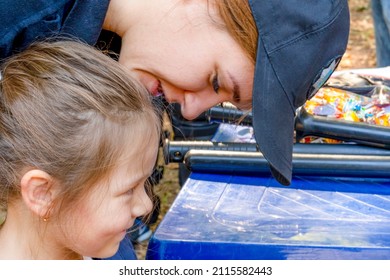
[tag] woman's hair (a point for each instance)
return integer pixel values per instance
(71, 111)
(238, 19)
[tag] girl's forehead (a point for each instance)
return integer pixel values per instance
(140, 141)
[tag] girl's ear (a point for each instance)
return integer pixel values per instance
(38, 192)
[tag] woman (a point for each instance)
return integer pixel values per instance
(201, 53)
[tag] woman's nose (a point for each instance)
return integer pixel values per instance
(195, 103)
(192, 102)
(172, 94)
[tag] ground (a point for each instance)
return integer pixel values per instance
(360, 54)
(361, 46)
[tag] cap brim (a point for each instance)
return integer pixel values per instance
(294, 59)
(274, 133)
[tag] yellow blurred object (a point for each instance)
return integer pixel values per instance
(383, 120)
(351, 116)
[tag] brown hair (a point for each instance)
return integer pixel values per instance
(69, 110)
(237, 16)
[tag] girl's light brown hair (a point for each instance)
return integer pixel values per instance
(69, 110)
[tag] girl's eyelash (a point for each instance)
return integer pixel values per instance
(133, 187)
(215, 83)
(130, 192)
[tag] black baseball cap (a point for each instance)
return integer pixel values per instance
(300, 44)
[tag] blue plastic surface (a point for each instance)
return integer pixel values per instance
(237, 217)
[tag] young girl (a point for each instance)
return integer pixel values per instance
(78, 140)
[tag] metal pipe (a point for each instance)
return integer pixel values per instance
(362, 133)
(253, 163)
(175, 151)
(228, 114)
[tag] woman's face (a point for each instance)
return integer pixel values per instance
(179, 50)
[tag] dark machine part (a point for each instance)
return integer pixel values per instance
(199, 128)
(362, 133)
(175, 151)
(253, 163)
(228, 114)
(309, 125)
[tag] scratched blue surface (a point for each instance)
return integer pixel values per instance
(219, 216)
(236, 217)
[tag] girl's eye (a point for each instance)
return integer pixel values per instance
(215, 83)
(130, 192)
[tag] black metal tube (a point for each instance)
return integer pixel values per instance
(228, 115)
(253, 163)
(309, 125)
(362, 133)
(175, 151)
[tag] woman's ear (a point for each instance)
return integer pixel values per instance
(37, 192)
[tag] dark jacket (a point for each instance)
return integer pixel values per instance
(25, 21)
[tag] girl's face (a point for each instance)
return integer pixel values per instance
(100, 221)
(179, 51)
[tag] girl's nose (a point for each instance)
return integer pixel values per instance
(142, 205)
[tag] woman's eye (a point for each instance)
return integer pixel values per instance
(216, 83)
